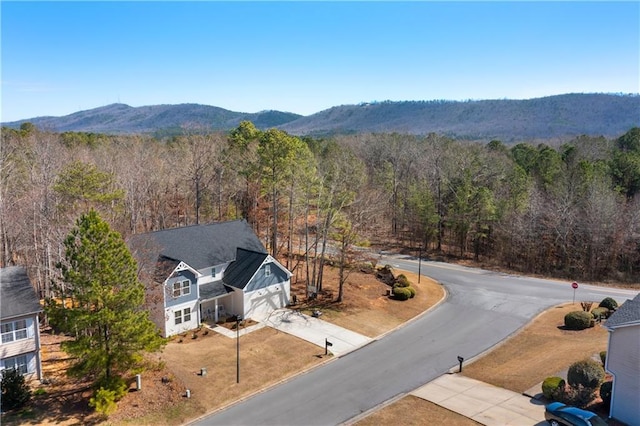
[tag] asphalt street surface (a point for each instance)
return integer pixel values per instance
(482, 308)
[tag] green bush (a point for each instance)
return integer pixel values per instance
(104, 401)
(15, 391)
(600, 312)
(401, 293)
(588, 373)
(608, 303)
(578, 320)
(605, 393)
(402, 281)
(550, 386)
(115, 384)
(413, 292)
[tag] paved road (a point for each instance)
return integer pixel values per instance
(482, 309)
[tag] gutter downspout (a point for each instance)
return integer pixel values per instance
(606, 369)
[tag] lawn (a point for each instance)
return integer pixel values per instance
(266, 358)
(541, 349)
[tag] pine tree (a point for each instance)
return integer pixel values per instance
(100, 302)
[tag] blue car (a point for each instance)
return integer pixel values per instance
(558, 414)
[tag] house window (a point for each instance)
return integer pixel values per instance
(16, 330)
(267, 270)
(18, 363)
(181, 288)
(213, 272)
(181, 316)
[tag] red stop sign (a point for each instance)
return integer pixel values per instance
(574, 285)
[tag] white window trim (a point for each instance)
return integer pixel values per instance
(183, 287)
(15, 362)
(15, 333)
(181, 316)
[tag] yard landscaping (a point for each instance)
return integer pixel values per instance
(366, 309)
(541, 349)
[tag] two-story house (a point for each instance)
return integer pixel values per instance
(623, 361)
(207, 273)
(19, 309)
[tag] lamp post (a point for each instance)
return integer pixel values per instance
(419, 263)
(238, 319)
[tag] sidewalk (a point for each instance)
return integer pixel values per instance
(486, 404)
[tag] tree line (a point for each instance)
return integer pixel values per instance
(569, 209)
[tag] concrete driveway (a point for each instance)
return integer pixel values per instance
(486, 404)
(314, 330)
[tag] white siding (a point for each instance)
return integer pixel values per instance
(623, 361)
(267, 299)
(184, 326)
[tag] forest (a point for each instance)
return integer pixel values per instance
(568, 209)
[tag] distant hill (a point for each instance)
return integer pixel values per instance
(550, 117)
(506, 120)
(158, 119)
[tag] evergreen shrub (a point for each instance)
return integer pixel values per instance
(578, 320)
(608, 303)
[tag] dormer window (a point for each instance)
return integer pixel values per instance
(213, 272)
(267, 270)
(181, 288)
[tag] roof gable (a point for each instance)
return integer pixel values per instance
(239, 273)
(16, 293)
(627, 314)
(199, 246)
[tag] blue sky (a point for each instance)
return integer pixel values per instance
(304, 57)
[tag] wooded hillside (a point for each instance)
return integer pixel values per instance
(570, 210)
(550, 118)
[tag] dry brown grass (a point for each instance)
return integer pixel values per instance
(367, 309)
(412, 410)
(266, 357)
(541, 349)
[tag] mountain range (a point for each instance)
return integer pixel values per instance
(544, 118)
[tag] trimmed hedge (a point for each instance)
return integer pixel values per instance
(401, 293)
(550, 385)
(600, 312)
(587, 373)
(402, 281)
(578, 320)
(413, 292)
(608, 303)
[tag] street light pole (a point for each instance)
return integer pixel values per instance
(419, 263)
(238, 348)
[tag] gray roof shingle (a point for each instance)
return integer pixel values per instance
(213, 289)
(199, 246)
(17, 295)
(628, 313)
(239, 273)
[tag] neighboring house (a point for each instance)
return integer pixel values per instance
(207, 273)
(623, 362)
(19, 309)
